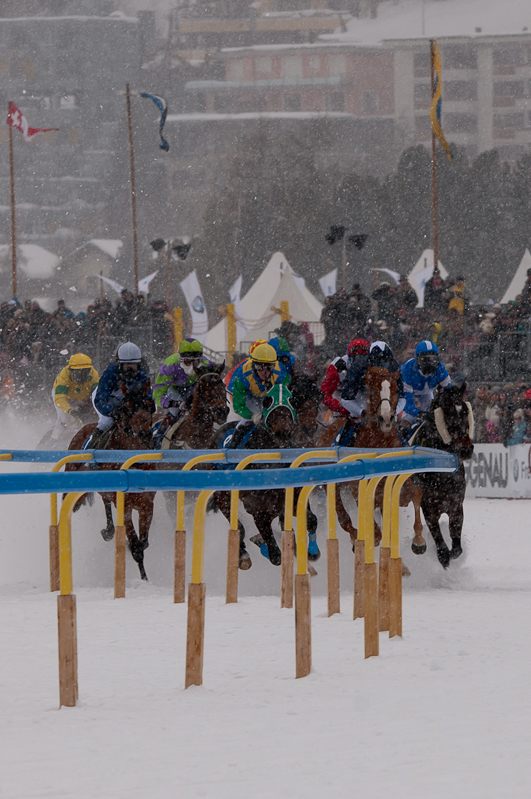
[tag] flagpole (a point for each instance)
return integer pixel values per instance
(133, 191)
(434, 170)
(13, 226)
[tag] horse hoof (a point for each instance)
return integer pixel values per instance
(275, 556)
(313, 550)
(443, 556)
(456, 551)
(107, 533)
(245, 561)
(418, 549)
(405, 571)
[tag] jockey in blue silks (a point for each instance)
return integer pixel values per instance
(126, 372)
(421, 375)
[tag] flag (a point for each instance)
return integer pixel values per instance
(394, 275)
(436, 101)
(328, 283)
(116, 286)
(235, 297)
(17, 120)
(196, 305)
(162, 105)
(143, 285)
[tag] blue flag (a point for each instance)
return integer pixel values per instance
(162, 105)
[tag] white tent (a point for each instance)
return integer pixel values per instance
(520, 276)
(422, 272)
(276, 283)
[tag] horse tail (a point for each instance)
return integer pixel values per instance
(212, 504)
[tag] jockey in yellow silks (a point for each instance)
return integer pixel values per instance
(72, 388)
(253, 379)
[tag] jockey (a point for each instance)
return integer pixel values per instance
(124, 372)
(228, 377)
(353, 397)
(252, 380)
(284, 356)
(332, 385)
(178, 375)
(72, 389)
(421, 375)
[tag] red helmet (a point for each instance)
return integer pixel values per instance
(358, 347)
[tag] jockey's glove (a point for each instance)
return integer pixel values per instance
(257, 417)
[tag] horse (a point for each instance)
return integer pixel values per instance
(448, 426)
(132, 431)
(206, 407)
(264, 506)
(377, 431)
(305, 398)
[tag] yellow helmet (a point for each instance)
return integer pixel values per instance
(264, 353)
(80, 361)
(256, 344)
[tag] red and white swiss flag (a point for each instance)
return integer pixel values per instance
(17, 120)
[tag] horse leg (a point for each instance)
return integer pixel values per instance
(144, 506)
(108, 532)
(432, 520)
(245, 561)
(311, 526)
(221, 501)
(344, 519)
(265, 538)
(456, 518)
(135, 546)
(418, 545)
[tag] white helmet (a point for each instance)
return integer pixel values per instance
(129, 353)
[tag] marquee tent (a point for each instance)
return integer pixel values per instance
(520, 276)
(421, 273)
(277, 282)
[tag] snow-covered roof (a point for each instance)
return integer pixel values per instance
(411, 19)
(110, 247)
(114, 17)
(36, 262)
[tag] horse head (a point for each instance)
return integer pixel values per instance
(134, 415)
(454, 420)
(212, 393)
(382, 397)
(305, 399)
(279, 413)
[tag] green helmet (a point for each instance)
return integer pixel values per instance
(190, 348)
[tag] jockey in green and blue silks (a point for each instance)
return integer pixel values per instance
(253, 379)
(284, 356)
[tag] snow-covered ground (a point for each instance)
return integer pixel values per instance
(442, 712)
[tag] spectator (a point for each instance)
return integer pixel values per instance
(480, 404)
(405, 296)
(458, 298)
(435, 296)
(358, 311)
(519, 429)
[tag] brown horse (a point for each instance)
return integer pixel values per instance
(378, 431)
(132, 431)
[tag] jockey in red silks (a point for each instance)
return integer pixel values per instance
(332, 385)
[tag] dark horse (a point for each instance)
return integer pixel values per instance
(132, 430)
(448, 426)
(275, 432)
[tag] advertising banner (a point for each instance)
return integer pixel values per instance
(498, 471)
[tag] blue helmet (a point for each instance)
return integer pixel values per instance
(427, 357)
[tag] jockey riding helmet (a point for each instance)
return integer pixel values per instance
(80, 366)
(256, 344)
(380, 355)
(281, 347)
(190, 349)
(427, 358)
(263, 358)
(129, 356)
(358, 346)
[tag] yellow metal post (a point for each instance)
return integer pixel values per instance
(303, 629)
(195, 635)
(284, 311)
(177, 327)
(395, 564)
(234, 533)
(119, 530)
(179, 580)
(54, 528)
(287, 544)
(332, 551)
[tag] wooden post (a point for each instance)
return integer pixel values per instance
(303, 628)
(359, 561)
(66, 618)
(179, 579)
(383, 588)
(133, 190)
(195, 634)
(13, 223)
(168, 289)
(231, 332)
(332, 569)
(395, 597)
(284, 311)
(286, 569)
(54, 557)
(233, 558)
(119, 561)
(434, 174)
(177, 327)
(370, 604)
